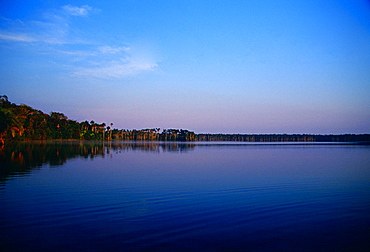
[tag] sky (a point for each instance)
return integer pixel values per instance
(208, 66)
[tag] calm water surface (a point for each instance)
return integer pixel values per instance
(90, 196)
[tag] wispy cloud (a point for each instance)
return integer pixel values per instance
(16, 37)
(77, 11)
(113, 50)
(117, 69)
(56, 27)
(118, 62)
(57, 33)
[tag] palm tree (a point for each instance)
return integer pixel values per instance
(103, 128)
(93, 126)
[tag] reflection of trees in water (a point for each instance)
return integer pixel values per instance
(156, 147)
(20, 158)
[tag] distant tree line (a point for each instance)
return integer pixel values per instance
(284, 137)
(22, 122)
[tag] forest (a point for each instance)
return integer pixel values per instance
(22, 122)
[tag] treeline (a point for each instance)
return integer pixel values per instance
(22, 122)
(284, 137)
(154, 135)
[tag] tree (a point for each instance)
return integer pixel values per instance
(9, 121)
(58, 116)
(102, 127)
(4, 101)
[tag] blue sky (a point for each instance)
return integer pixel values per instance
(209, 66)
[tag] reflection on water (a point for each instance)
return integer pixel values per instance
(128, 196)
(19, 158)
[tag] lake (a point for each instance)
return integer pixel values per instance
(199, 196)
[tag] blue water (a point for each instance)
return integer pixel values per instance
(77, 196)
